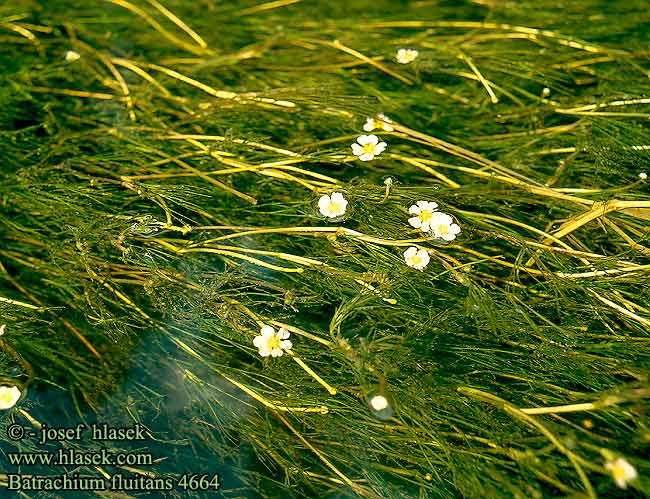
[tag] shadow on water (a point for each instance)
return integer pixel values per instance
(156, 394)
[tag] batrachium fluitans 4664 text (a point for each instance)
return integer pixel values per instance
(118, 481)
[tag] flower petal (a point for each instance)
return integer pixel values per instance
(415, 222)
(276, 352)
(414, 209)
(337, 197)
(373, 139)
(440, 218)
(324, 201)
(264, 352)
(326, 211)
(369, 126)
(267, 331)
(367, 157)
(410, 252)
(286, 344)
(8, 397)
(283, 334)
(364, 139)
(379, 148)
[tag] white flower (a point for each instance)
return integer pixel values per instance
(2, 329)
(418, 259)
(71, 56)
(622, 471)
(332, 206)
(443, 227)
(368, 147)
(424, 211)
(271, 343)
(404, 56)
(8, 397)
(378, 402)
(381, 122)
(643, 176)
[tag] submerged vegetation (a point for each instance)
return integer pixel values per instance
(174, 253)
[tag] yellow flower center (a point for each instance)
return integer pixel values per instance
(443, 229)
(273, 342)
(425, 215)
(6, 397)
(415, 259)
(619, 473)
(369, 149)
(334, 207)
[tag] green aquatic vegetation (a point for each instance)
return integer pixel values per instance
(162, 186)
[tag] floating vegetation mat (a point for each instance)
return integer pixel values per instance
(324, 249)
